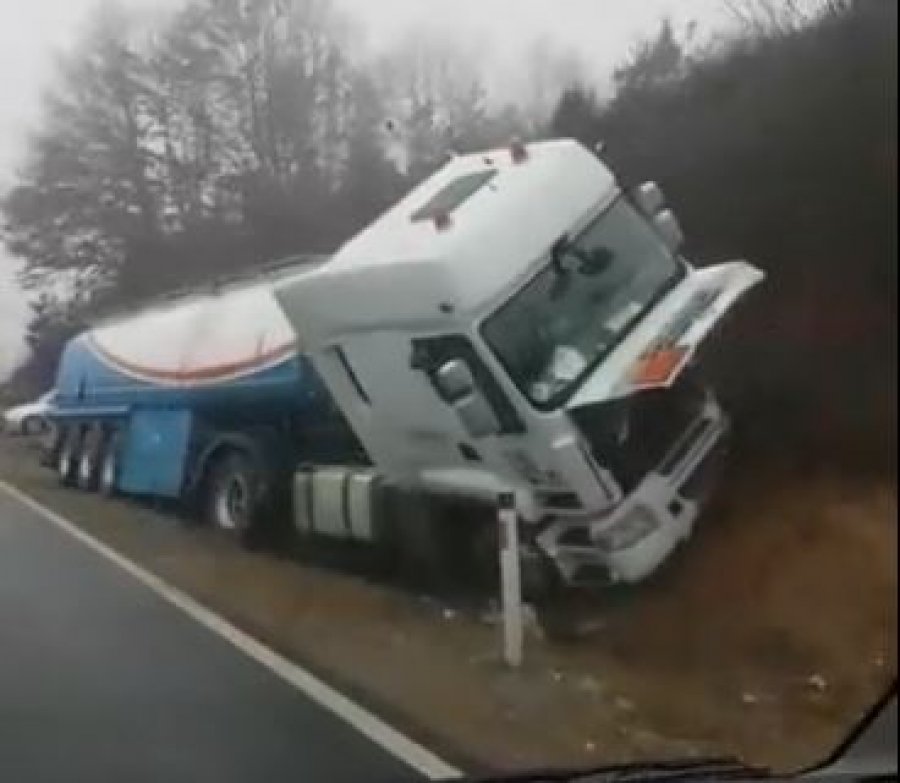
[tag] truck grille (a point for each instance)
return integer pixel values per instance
(698, 484)
(683, 446)
(633, 436)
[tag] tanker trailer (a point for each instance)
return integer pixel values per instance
(201, 397)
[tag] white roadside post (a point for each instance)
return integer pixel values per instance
(510, 579)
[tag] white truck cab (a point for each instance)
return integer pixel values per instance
(519, 324)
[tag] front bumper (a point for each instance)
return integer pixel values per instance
(665, 505)
(672, 497)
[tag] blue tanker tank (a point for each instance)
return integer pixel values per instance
(90, 378)
(203, 388)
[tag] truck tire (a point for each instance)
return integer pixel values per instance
(415, 540)
(67, 457)
(93, 443)
(235, 498)
(109, 465)
(540, 578)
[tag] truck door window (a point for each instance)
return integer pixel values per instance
(429, 353)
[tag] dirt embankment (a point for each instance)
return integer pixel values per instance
(767, 637)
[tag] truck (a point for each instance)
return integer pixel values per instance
(518, 325)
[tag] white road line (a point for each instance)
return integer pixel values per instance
(410, 752)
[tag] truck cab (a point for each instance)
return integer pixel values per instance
(517, 323)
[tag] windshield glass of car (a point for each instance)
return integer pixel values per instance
(554, 331)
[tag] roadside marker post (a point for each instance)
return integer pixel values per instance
(510, 579)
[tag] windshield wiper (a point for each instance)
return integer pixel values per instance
(692, 770)
(590, 263)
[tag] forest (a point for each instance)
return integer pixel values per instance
(246, 130)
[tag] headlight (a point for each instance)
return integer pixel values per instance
(635, 525)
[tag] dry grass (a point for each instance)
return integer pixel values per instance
(766, 638)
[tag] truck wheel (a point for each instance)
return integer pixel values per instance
(539, 577)
(235, 496)
(67, 458)
(416, 540)
(89, 460)
(109, 466)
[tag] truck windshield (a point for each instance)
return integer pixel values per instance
(554, 331)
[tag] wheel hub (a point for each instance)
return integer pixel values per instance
(233, 505)
(109, 473)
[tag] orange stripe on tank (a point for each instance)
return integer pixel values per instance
(215, 372)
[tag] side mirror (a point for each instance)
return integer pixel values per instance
(456, 386)
(668, 227)
(648, 198)
(453, 380)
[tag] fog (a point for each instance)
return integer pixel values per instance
(590, 35)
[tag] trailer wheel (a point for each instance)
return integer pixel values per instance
(109, 466)
(235, 498)
(90, 459)
(67, 458)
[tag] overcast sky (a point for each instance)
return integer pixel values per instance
(600, 31)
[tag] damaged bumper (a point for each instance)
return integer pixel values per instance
(631, 542)
(640, 533)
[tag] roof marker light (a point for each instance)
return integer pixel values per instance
(518, 151)
(442, 221)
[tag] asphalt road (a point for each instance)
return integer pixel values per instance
(102, 680)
